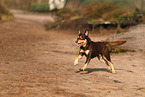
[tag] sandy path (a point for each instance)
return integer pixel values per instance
(36, 62)
(135, 37)
(35, 17)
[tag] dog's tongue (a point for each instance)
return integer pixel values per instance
(78, 44)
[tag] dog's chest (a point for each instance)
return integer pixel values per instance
(84, 51)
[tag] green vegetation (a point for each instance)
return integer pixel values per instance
(22, 4)
(95, 14)
(99, 12)
(118, 49)
(121, 3)
(103, 11)
(3, 10)
(27, 4)
(40, 7)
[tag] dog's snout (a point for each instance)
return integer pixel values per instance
(76, 41)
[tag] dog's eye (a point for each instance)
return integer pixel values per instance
(83, 36)
(80, 37)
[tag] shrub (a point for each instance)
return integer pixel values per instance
(67, 13)
(116, 49)
(40, 7)
(113, 14)
(3, 10)
(105, 11)
(5, 15)
(96, 13)
(89, 11)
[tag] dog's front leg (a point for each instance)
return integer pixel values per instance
(86, 63)
(77, 59)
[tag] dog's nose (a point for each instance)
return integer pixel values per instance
(76, 41)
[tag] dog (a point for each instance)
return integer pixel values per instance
(91, 50)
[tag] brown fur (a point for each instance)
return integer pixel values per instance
(91, 50)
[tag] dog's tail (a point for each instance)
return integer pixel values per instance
(113, 43)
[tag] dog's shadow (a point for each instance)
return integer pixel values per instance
(90, 70)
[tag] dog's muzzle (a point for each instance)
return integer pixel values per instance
(80, 42)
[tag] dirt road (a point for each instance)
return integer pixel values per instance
(39, 63)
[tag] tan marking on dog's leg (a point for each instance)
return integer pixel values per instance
(108, 67)
(112, 67)
(86, 63)
(104, 60)
(107, 63)
(84, 67)
(113, 70)
(77, 59)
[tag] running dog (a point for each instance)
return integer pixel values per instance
(91, 50)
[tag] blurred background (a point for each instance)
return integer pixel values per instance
(37, 48)
(83, 14)
(29, 4)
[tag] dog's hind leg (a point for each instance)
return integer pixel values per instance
(113, 70)
(109, 63)
(77, 59)
(102, 59)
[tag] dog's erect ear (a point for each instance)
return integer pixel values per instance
(79, 32)
(87, 33)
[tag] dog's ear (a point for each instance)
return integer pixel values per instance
(79, 32)
(87, 33)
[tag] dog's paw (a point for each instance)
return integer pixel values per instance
(75, 62)
(113, 71)
(81, 69)
(108, 68)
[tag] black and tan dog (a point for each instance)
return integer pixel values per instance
(91, 50)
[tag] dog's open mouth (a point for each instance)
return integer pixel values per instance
(80, 44)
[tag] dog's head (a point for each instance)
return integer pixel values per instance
(82, 38)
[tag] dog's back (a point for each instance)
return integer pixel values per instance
(98, 48)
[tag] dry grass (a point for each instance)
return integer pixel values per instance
(99, 10)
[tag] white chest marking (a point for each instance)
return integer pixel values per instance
(87, 52)
(82, 51)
